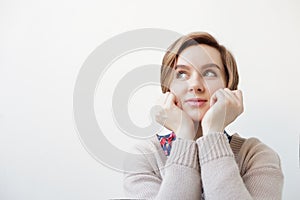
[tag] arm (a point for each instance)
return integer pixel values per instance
(181, 178)
(261, 177)
(181, 175)
(262, 169)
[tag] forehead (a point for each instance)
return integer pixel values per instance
(200, 55)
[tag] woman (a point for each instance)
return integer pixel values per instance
(199, 160)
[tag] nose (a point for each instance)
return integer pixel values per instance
(196, 83)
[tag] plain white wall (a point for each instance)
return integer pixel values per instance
(44, 44)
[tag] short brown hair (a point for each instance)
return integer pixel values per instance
(196, 38)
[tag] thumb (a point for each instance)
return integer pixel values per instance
(178, 103)
(213, 99)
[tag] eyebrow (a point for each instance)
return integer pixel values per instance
(203, 66)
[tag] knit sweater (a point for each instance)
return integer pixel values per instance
(208, 168)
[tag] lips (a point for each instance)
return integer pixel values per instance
(195, 102)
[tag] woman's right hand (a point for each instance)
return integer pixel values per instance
(170, 115)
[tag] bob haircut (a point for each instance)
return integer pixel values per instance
(196, 38)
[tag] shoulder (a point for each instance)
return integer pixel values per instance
(255, 154)
(147, 146)
(145, 157)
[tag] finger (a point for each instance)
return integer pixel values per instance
(231, 96)
(166, 96)
(238, 94)
(178, 103)
(160, 101)
(217, 96)
(170, 101)
(175, 101)
(213, 99)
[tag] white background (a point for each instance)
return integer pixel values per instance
(44, 43)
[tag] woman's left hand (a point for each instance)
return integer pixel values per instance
(225, 106)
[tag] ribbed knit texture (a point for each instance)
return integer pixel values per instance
(213, 146)
(244, 169)
(184, 152)
(236, 144)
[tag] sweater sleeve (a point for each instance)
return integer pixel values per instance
(262, 177)
(181, 178)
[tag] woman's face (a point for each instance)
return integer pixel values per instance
(199, 72)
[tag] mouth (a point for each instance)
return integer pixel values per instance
(195, 102)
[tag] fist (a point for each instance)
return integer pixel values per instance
(225, 106)
(169, 114)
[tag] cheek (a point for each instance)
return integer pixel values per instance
(214, 86)
(178, 89)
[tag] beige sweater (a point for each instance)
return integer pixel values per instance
(244, 169)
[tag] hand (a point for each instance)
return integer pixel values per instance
(170, 115)
(225, 106)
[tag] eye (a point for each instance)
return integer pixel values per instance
(182, 75)
(209, 73)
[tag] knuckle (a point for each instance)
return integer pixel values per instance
(227, 102)
(242, 109)
(220, 90)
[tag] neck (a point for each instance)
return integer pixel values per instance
(198, 129)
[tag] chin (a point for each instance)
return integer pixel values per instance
(195, 114)
(196, 117)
